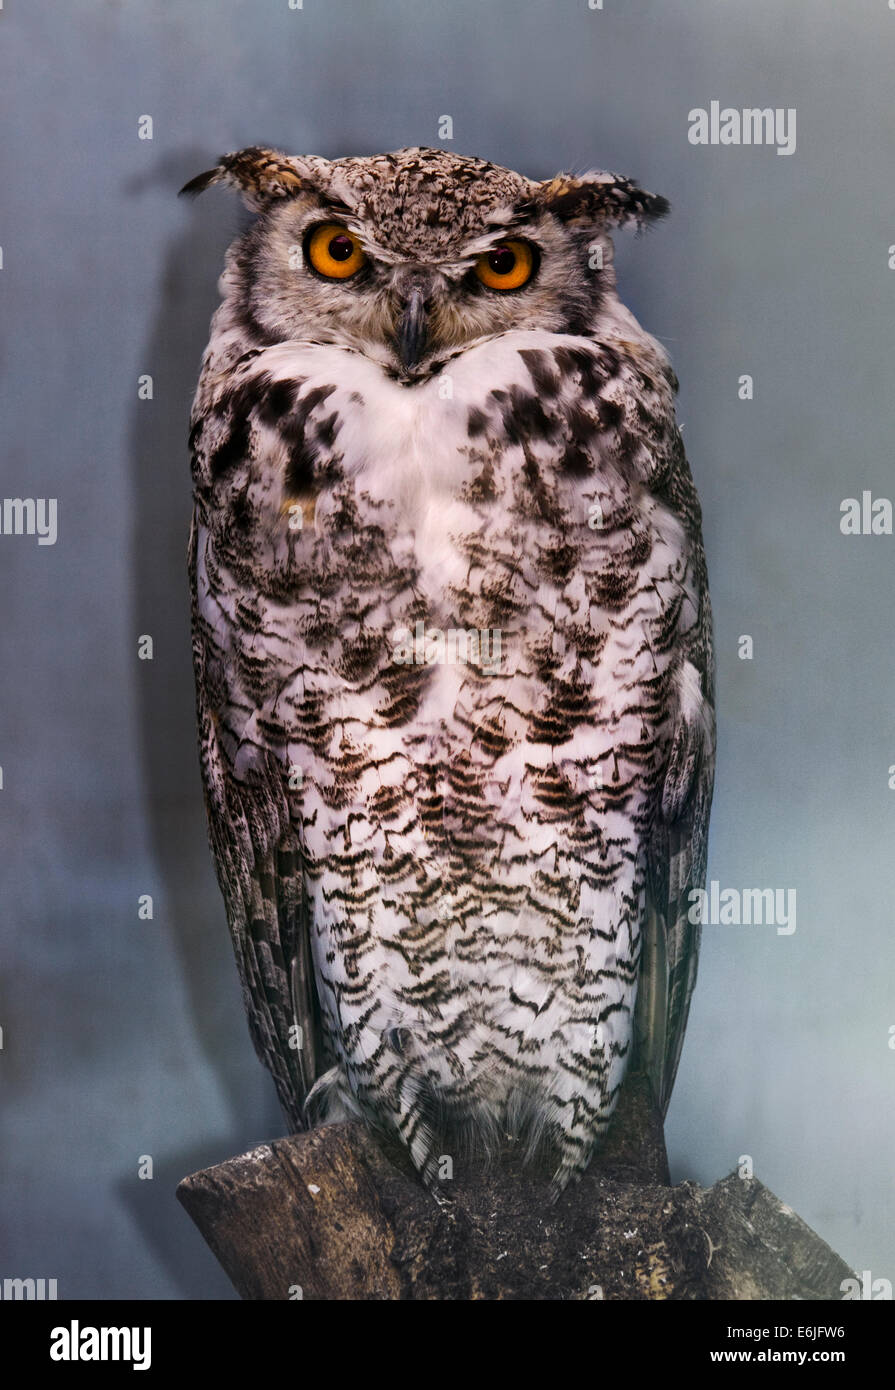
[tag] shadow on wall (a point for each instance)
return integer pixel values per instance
(167, 1231)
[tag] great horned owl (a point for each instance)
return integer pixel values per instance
(452, 647)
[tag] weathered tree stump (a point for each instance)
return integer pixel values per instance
(332, 1214)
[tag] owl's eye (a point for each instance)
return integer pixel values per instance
(333, 251)
(508, 266)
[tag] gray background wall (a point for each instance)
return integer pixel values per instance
(122, 1037)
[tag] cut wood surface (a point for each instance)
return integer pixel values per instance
(332, 1214)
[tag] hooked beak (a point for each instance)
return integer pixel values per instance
(412, 329)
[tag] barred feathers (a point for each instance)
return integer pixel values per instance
(454, 674)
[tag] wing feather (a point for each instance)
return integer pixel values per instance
(259, 867)
(676, 863)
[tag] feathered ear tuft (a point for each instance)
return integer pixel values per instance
(262, 176)
(610, 199)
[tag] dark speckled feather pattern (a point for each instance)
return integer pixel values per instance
(449, 874)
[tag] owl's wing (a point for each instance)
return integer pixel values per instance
(676, 865)
(258, 862)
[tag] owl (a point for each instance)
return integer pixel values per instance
(452, 646)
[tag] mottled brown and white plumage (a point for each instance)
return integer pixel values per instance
(453, 653)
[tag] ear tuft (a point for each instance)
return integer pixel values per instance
(262, 176)
(200, 183)
(610, 199)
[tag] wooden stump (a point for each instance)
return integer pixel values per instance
(332, 1214)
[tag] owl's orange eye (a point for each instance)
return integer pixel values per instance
(333, 251)
(508, 266)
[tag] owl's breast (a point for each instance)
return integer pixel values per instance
(466, 561)
(460, 651)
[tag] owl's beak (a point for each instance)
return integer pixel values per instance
(412, 328)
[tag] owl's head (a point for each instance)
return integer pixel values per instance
(412, 256)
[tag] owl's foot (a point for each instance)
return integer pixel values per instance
(330, 1100)
(565, 1176)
